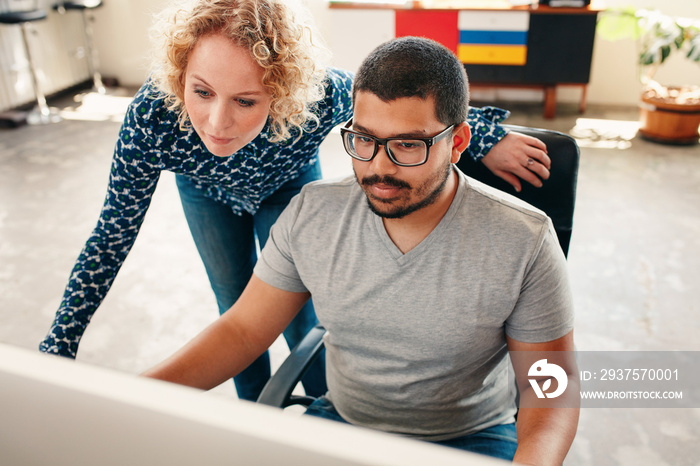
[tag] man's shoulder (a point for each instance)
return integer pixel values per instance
(324, 199)
(323, 205)
(330, 188)
(486, 197)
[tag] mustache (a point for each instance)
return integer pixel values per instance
(387, 180)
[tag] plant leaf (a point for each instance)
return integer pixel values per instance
(694, 51)
(618, 24)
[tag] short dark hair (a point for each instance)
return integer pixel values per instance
(417, 67)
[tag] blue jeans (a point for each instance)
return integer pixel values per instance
(226, 245)
(497, 441)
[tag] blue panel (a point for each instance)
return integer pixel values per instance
(493, 37)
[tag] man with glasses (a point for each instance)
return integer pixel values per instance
(423, 278)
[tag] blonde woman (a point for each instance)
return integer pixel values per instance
(237, 106)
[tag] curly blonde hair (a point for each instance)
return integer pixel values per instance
(278, 38)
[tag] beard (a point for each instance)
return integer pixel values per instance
(437, 181)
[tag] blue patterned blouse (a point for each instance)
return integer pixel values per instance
(150, 141)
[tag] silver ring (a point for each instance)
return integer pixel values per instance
(530, 161)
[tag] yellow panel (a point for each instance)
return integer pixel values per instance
(492, 54)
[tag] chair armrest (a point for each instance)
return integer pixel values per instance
(278, 390)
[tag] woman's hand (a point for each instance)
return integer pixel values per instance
(518, 156)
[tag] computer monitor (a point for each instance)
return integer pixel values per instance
(55, 411)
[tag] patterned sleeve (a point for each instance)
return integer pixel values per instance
(486, 129)
(132, 182)
(339, 95)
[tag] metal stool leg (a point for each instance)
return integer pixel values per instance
(92, 58)
(42, 114)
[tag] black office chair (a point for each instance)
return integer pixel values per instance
(91, 52)
(23, 17)
(556, 198)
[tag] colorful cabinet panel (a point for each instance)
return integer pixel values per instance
(538, 47)
(493, 38)
(472, 54)
(439, 25)
(476, 37)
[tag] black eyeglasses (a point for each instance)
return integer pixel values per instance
(404, 152)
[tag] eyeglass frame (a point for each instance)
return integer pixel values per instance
(429, 142)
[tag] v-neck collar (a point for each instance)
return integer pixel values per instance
(436, 235)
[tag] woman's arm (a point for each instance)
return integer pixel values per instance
(132, 182)
(509, 155)
(519, 156)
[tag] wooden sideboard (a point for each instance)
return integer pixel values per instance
(502, 45)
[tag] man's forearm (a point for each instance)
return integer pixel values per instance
(201, 363)
(234, 340)
(545, 434)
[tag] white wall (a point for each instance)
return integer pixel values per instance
(122, 40)
(614, 73)
(121, 37)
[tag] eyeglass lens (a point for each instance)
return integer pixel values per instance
(406, 151)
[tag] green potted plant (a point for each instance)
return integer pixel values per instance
(669, 113)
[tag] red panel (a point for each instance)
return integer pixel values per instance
(441, 26)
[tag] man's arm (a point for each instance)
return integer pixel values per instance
(545, 434)
(234, 340)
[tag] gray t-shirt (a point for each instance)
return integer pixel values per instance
(416, 342)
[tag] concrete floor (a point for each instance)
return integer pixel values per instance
(634, 260)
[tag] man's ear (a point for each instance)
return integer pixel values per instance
(460, 141)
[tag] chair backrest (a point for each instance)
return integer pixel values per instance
(557, 196)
